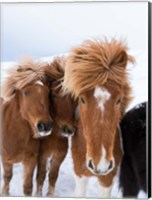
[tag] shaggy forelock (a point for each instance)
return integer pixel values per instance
(55, 70)
(22, 74)
(95, 63)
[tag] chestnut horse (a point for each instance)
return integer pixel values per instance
(53, 149)
(25, 118)
(96, 74)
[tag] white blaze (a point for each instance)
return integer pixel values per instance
(39, 83)
(103, 164)
(102, 95)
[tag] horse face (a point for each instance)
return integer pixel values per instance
(100, 111)
(63, 112)
(34, 107)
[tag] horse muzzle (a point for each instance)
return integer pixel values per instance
(44, 129)
(103, 168)
(67, 131)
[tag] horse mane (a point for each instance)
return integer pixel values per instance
(97, 63)
(55, 70)
(22, 74)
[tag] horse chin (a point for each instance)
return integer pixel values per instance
(65, 134)
(100, 173)
(42, 134)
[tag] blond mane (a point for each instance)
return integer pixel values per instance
(55, 70)
(95, 63)
(22, 74)
(98, 63)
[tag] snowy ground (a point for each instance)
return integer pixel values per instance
(65, 184)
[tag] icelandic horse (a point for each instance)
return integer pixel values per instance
(133, 165)
(25, 118)
(53, 149)
(97, 76)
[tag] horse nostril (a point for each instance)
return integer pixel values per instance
(70, 131)
(41, 126)
(90, 164)
(49, 125)
(110, 165)
(66, 129)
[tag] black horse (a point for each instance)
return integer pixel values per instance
(133, 166)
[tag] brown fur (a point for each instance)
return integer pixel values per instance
(79, 156)
(55, 145)
(1, 101)
(27, 105)
(55, 70)
(102, 64)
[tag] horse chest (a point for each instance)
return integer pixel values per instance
(15, 141)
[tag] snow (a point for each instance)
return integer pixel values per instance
(65, 184)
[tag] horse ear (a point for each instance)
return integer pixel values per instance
(121, 58)
(19, 68)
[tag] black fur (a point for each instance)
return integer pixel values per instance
(133, 166)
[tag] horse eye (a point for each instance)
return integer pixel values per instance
(118, 101)
(82, 100)
(25, 93)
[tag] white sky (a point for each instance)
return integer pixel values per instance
(45, 29)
